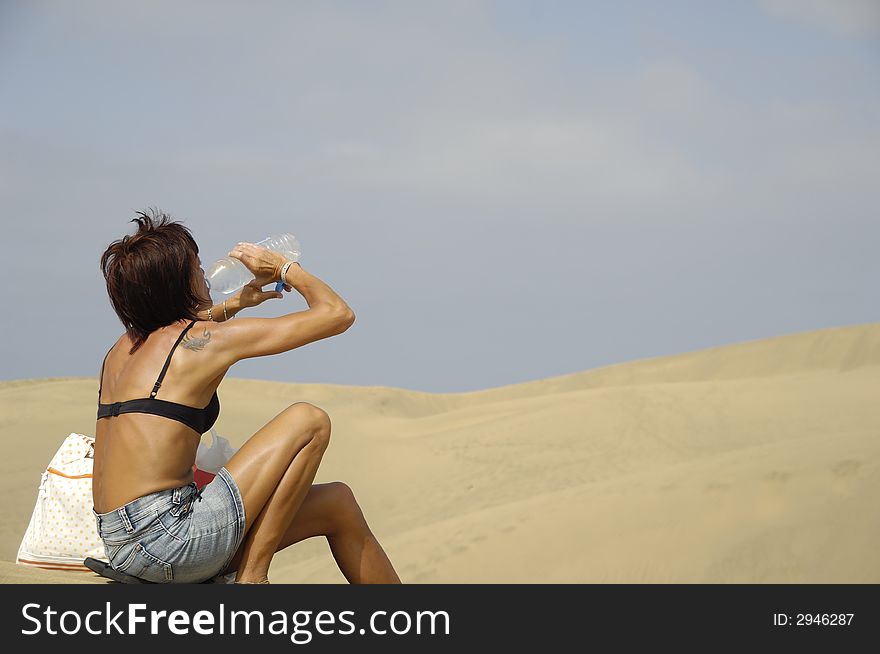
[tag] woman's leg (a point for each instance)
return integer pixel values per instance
(331, 510)
(274, 470)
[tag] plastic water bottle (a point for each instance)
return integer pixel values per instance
(227, 275)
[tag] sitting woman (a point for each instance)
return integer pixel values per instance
(157, 396)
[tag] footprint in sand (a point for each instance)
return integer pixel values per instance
(715, 486)
(425, 576)
(844, 474)
(777, 476)
(846, 468)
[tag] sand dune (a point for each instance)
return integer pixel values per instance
(753, 462)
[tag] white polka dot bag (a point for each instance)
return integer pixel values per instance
(62, 531)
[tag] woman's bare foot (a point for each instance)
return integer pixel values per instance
(264, 580)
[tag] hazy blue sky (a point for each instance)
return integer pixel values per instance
(503, 191)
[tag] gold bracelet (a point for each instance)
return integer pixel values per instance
(225, 317)
(210, 317)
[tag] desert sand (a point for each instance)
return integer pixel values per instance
(754, 462)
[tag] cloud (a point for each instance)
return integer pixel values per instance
(437, 105)
(848, 17)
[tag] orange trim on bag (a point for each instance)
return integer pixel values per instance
(29, 562)
(76, 567)
(61, 474)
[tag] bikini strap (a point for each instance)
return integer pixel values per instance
(168, 360)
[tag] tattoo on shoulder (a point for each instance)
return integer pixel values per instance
(196, 343)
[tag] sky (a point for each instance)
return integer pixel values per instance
(502, 191)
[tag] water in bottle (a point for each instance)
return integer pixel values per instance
(227, 275)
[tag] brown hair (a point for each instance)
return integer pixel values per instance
(150, 276)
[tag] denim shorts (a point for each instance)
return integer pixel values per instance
(181, 535)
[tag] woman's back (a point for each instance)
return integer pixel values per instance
(139, 447)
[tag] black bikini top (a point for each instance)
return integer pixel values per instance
(200, 420)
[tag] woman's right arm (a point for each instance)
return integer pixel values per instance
(328, 314)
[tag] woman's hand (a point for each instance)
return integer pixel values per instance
(265, 264)
(252, 294)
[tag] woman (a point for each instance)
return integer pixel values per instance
(176, 349)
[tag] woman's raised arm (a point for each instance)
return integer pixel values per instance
(328, 314)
